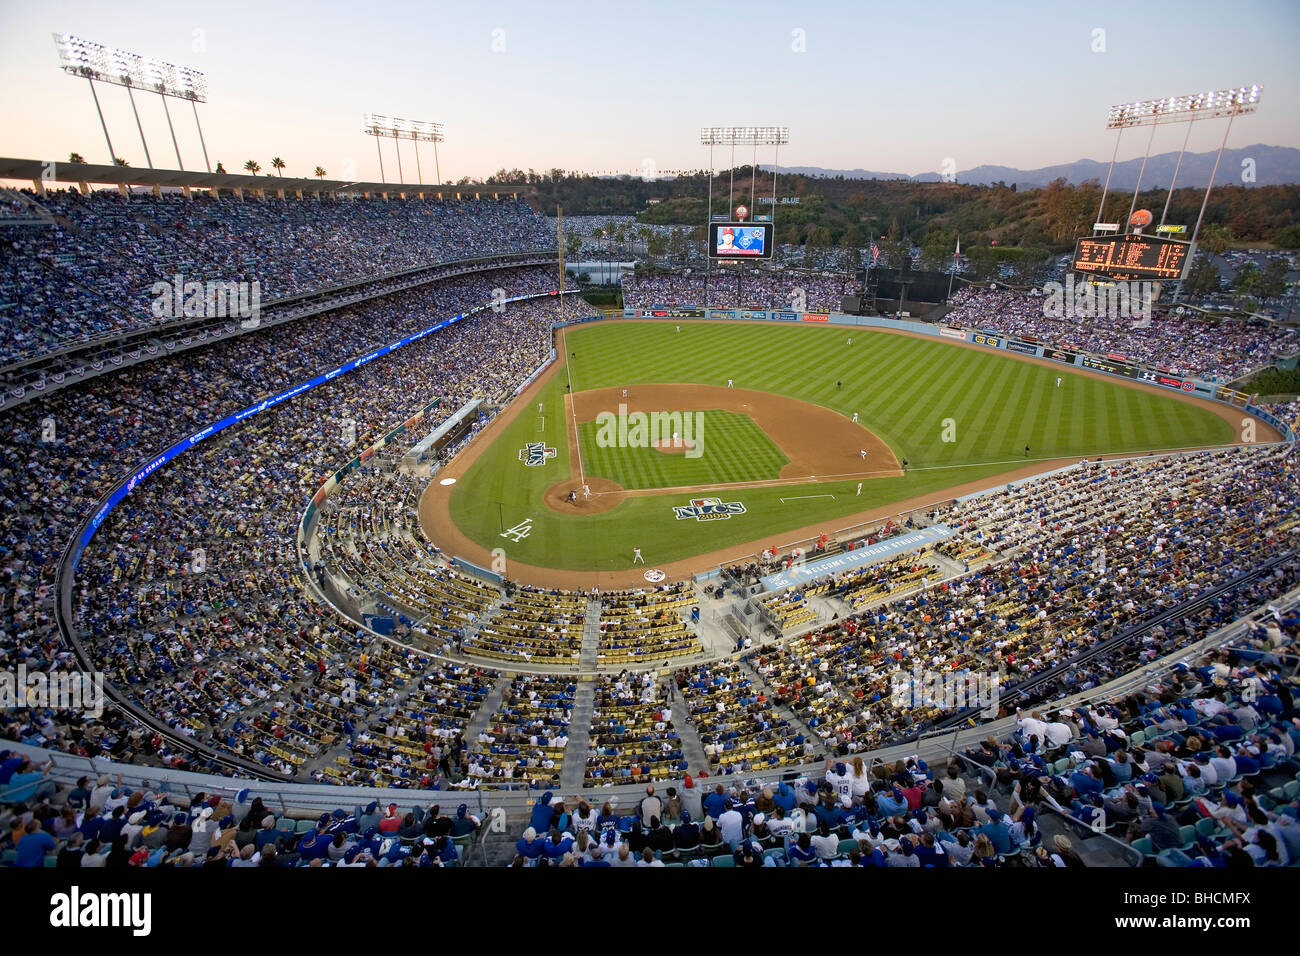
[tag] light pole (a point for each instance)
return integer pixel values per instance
(1212, 104)
(417, 131)
(95, 61)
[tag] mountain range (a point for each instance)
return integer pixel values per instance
(1271, 166)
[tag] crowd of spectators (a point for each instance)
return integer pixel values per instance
(1089, 553)
(100, 823)
(192, 600)
(1177, 768)
(93, 271)
(203, 551)
(783, 290)
(1224, 349)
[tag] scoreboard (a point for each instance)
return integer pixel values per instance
(1131, 257)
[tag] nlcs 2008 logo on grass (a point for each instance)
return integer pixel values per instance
(708, 509)
(535, 453)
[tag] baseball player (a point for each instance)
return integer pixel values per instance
(625, 393)
(586, 490)
(855, 416)
(863, 453)
(859, 488)
(636, 556)
(730, 384)
(1058, 381)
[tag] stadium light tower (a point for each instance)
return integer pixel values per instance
(417, 131)
(95, 61)
(756, 136)
(1212, 104)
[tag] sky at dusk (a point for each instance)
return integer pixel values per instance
(626, 86)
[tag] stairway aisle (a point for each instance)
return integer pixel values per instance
(483, 716)
(692, 745)
(575, 754)
(590, 636)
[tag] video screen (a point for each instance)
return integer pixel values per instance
(732, 240)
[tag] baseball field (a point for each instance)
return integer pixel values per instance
(726, 438)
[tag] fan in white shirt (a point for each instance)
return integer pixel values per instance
(841, 780)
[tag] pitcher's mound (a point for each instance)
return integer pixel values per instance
(674, 445)
(604, 496)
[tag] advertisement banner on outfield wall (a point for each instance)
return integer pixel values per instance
(816, 317)
(1024, 348)
(981, 338)
(665, 312)
(786, 316)
(1168, 381)
(950, 333)
(722, 313)
(1114, 368)
(1060, 355)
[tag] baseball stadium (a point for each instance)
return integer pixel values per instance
(350, 522)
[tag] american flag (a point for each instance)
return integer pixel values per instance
(875, 252)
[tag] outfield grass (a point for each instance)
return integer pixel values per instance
(903, 389)
(732, 448)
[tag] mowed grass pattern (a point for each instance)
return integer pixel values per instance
(904, 389)
(733, 448)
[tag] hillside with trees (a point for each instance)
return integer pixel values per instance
(996, 222)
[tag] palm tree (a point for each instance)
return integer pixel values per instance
(119, 161)
(253, 166)
(320, 172)
(76, 158)
(221, 168)
(278, 164)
